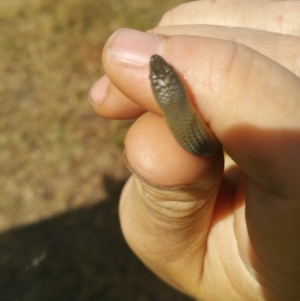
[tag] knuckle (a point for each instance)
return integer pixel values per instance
(172, 205)
(171, 17)
(167, 18)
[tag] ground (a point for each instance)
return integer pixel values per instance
(61, 165)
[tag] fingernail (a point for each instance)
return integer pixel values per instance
(134, 47)
(99, 91)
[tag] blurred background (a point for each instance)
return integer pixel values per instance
(61, 165)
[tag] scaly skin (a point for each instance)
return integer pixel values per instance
(186, 125)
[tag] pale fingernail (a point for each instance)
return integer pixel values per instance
(134, 47)
(99, 91)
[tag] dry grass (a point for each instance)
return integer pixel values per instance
(54, 150)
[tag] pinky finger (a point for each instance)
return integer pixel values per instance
(109, 102)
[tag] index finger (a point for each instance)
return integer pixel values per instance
(273, 16)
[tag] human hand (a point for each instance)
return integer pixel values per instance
(215, 234)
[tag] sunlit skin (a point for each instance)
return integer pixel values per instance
(215, 233)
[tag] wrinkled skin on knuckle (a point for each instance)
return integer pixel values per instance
(173, 204)
(166, 19)
(170, 17)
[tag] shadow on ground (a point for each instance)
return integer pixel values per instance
(80, 255)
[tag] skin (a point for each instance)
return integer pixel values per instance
(214, 233)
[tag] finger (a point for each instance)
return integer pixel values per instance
(166, 215)
(274, 16)
(109, 102)
(132, 43)
(106, 98)
(283, 49)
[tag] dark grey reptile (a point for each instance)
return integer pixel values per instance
(185, 123)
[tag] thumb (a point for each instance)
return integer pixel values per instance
(167, 205)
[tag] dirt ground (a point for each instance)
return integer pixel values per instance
(61, 165)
